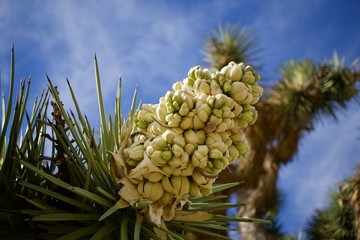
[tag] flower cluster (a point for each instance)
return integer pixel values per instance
(190, 136)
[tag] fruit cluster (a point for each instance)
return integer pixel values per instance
(191, 135)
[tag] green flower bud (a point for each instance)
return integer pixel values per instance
(215, 153)
(191, 73)
(217, 112)
(227, 87)
(242, 148)
(156, 158)
(166, 155)
(187, 121)
(198, 124)
(218, 164)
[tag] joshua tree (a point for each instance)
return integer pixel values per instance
(306, 92)
(340, 220)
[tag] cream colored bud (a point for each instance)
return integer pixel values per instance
(236, 73)
(184, 109)
(176, 182)
(169, 136)
(221, 127)
(201, 86)
(166, 199)
(177, 86)
(203, 150)
(167, 169)
(199, 179)
(149, 150)
(194, 189)
(257, 90)
(154, 176)
(198, 124)
(156, 191)
(239, 92)
(185, 186)
(168, 96)
(204, 112)
(188, 83)
(254, 100)
(198, 73)
(187, 122)
(237, 137)
(201, 136)
(188, 170)
(137, 154)
(190, 148)
(190, 136)
(234, 153)
(206, 73)
(215, 119)
(161, 112)
(174, 120)
(179, 140)
(237, 110)
(226, 71)
(175, 162)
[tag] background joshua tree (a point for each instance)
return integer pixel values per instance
(288, 110)
(340, 220)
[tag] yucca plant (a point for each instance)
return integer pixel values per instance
(58, 181)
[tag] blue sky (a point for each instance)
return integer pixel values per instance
(154, 44)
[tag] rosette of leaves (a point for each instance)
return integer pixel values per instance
(59, 181)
